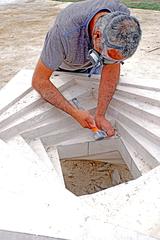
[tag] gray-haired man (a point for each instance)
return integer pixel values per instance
(85, 36)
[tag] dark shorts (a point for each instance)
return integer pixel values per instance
(87, 71)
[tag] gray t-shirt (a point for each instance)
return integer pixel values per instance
(67, 43)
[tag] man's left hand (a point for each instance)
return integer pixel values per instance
(103, 124)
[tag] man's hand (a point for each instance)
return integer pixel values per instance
(103, 124)
(85, 119)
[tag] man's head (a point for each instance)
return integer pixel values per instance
(116, 35)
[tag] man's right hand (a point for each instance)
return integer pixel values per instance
(85, 119)
(50, 93)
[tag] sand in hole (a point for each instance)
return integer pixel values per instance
(86, 176)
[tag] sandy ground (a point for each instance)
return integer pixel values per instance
(22, 31)
(24, 25)
(87, 177)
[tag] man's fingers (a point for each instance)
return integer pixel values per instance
(110, 132)
(91, 122)
(107, 127)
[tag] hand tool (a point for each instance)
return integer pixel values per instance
(98, 134)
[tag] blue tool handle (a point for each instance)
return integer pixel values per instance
(77, 103)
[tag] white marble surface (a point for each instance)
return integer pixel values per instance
(135, 205)
(39, 201)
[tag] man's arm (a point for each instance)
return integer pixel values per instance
(41, 82)
(109, 79)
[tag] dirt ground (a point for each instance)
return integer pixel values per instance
(24, 25)
(22, 31)
(87, 177)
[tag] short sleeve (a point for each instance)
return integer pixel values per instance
(52, 54)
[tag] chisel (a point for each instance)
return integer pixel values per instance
(98, 134)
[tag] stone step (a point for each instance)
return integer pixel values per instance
(62, 134)
(10, 235)
(137, 166)
(129, 204)
(146, 149)
(22, 156)
(32, 199)
(37, 114)
(21, 83)
(62, 215)
(29, 120)
(86, 148)
(105, 230)
(42, 206)
(144, 83)
(52, 161)
(113, 157)
(127, 158)
(53, 155)
(85, 135)
(99, 231)
(151, 97)
(140, 108)
(45, 128)
(21, 107)
(16, 88)
(144, 127)
(59, 120)
(19, 145)
(28, 103)
(68, 86)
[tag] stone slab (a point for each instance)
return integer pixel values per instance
(45, 128)
(52, 162)
(126, 155)
(61, 135)
(29, 101)
(103, 146)
(111, 157)
(143, 83)
(8, 235)
(17, 87)
(147, 149)
(135, 204)
(141, 109)
(36, 115)
(39, 202)
(153, 97)
(133, 160)
(17, 110)
(102, 231)
(54, 157)
(73, 150)
(145, 127)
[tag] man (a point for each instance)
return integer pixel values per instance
(86, 36)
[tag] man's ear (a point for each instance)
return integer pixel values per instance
(97, 40)
(97, 34)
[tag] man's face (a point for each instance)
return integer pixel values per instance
(115, 54)
(112, 55)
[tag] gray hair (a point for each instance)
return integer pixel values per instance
(120, 31)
